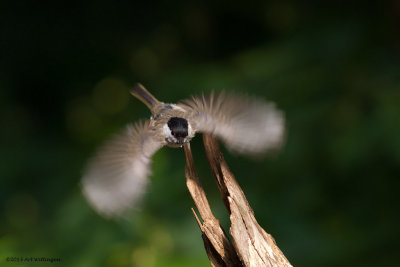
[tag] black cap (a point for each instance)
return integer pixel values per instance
(179, 128)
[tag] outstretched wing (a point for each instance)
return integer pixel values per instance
(246, 124)
(116, 177)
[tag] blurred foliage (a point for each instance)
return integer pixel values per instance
(329, 197)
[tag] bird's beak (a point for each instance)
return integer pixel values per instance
(180, 140)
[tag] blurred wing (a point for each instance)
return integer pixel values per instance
(246, 124)
(116, 178)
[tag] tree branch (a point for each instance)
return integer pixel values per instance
(252, 246)
(219, 250)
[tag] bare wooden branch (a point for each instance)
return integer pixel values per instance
(219, 250)
(252, 246)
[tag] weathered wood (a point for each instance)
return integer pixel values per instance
(219, 250)
(252, 246)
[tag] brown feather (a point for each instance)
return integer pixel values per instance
(117, 176)
(246, 124)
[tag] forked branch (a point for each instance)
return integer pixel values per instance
(251, 245)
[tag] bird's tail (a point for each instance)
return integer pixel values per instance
(143, 95)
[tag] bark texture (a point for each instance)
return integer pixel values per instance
(251, 245)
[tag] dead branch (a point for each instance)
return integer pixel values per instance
(219, 250)
(252, 246)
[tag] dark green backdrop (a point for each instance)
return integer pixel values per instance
(330, 197)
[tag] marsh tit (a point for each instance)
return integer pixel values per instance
(117, 176)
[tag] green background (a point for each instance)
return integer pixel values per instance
(329, 197)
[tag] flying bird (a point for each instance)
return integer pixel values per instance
(116, 178)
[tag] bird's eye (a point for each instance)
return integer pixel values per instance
(172, 132)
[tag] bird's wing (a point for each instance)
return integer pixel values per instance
(246, 124)
(116, 177)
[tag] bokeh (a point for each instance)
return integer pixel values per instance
(329, 197)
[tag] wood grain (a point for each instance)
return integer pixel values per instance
(251, 245)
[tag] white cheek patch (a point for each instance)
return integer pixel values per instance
(166, 131)
(190, 130)
(168, 135)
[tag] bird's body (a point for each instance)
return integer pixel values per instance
(169, 125)
(116, 177)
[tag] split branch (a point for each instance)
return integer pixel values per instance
(251, 245)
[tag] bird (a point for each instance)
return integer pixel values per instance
(117, 176)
